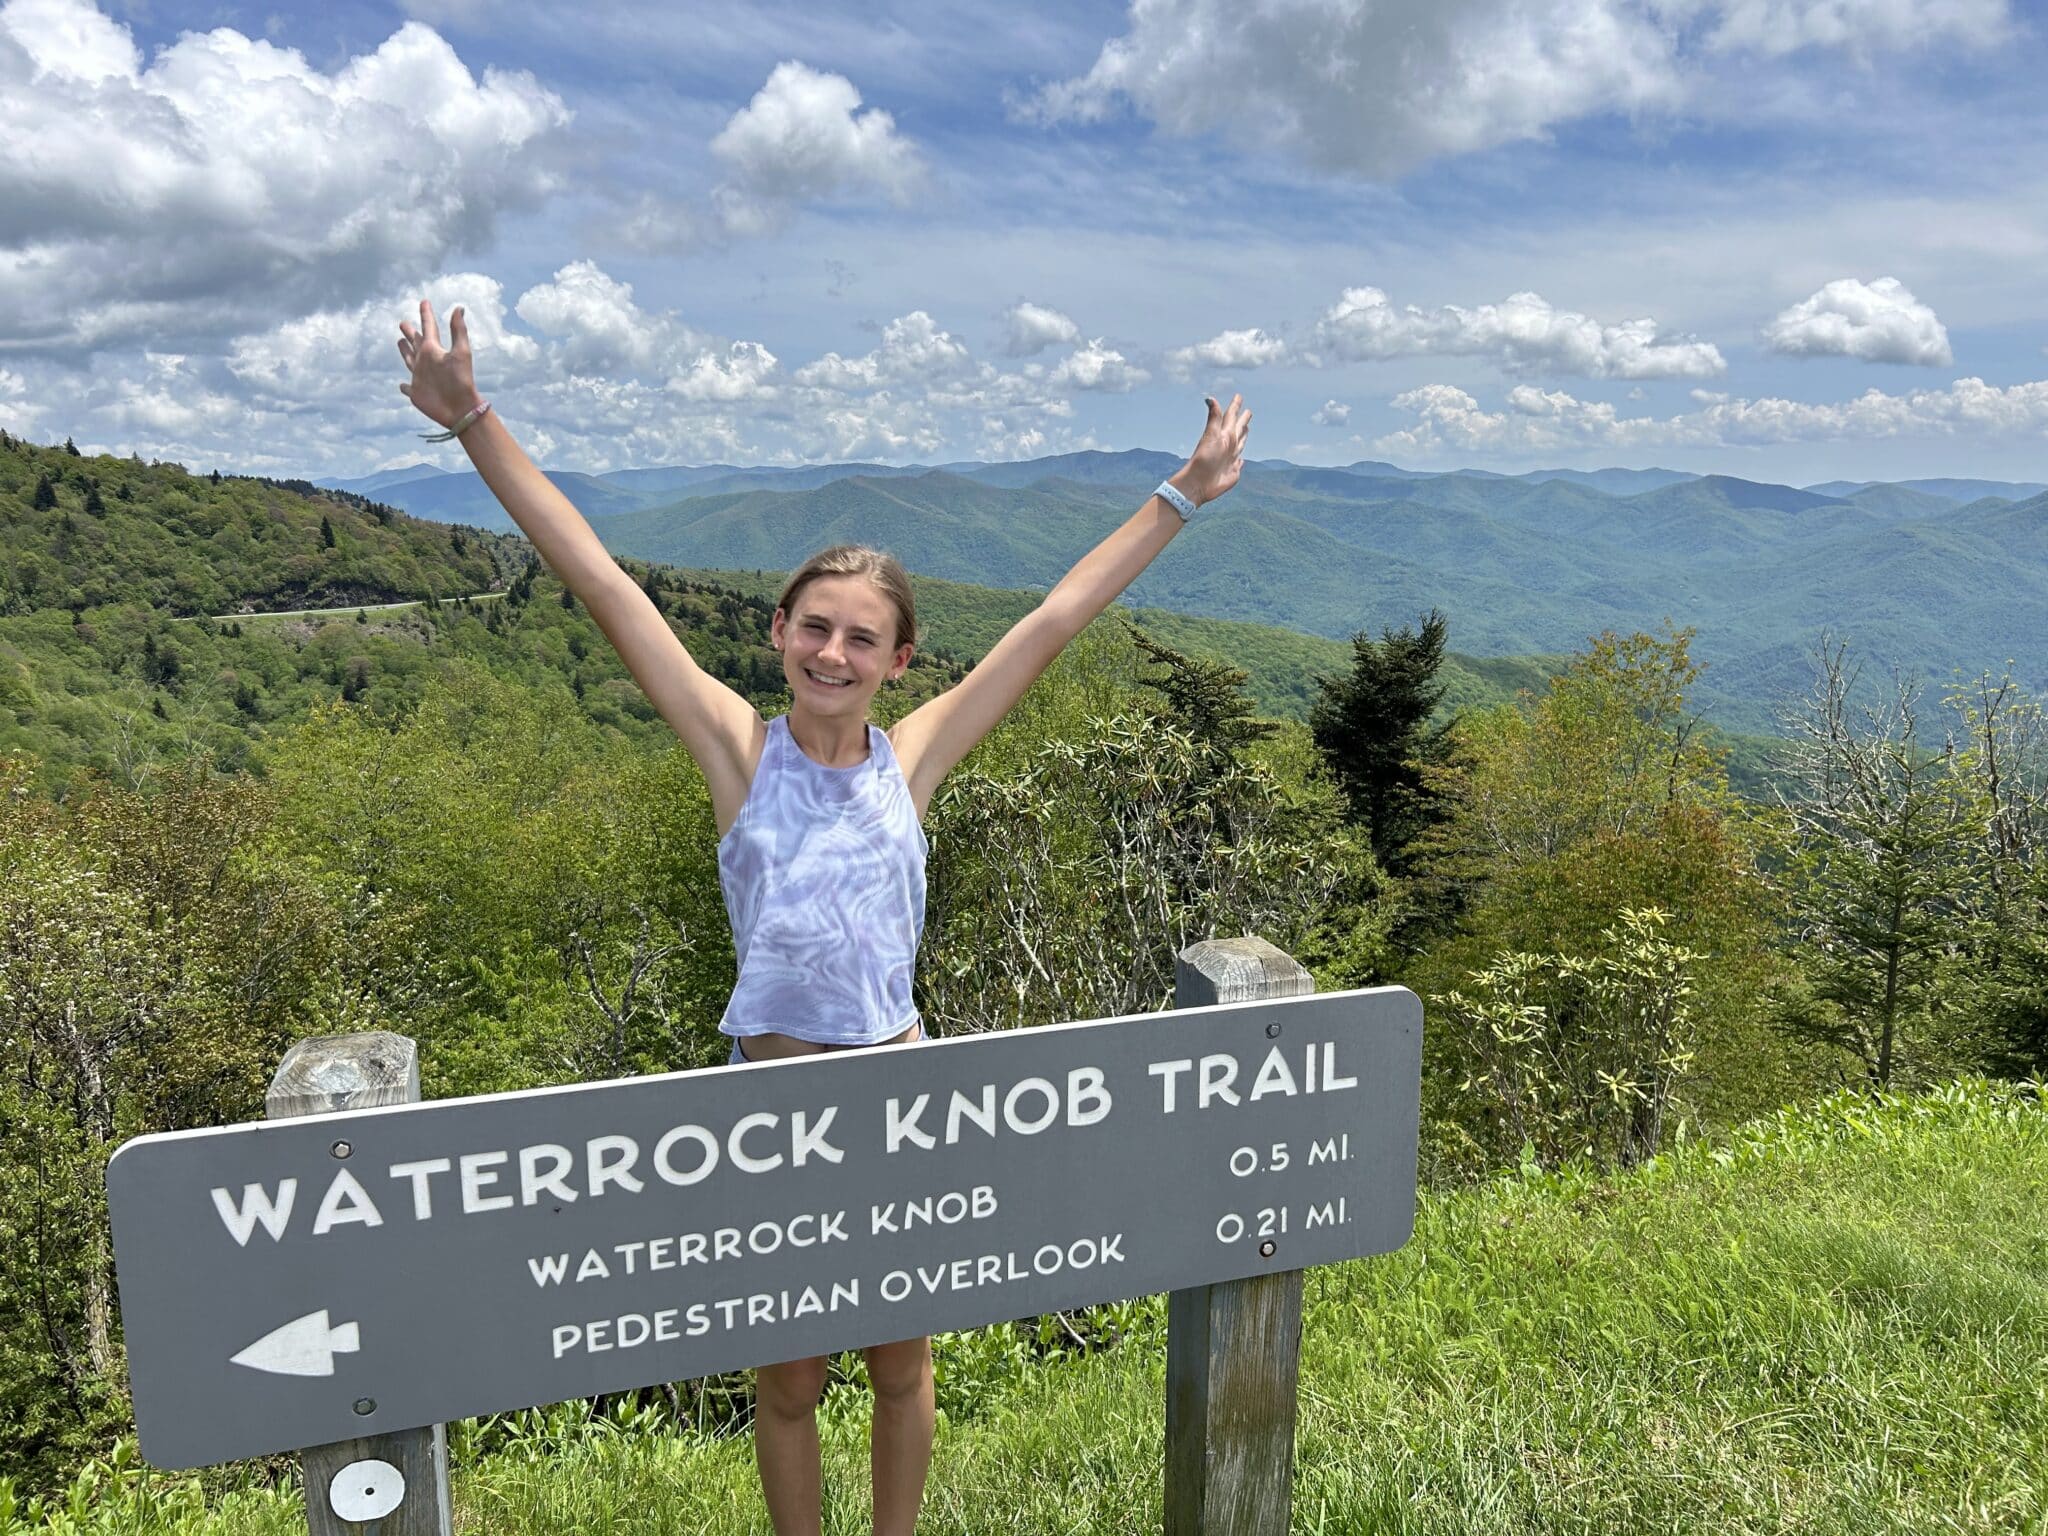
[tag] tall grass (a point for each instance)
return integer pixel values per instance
(1834, 1321)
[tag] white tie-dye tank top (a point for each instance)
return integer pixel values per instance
(823, 875)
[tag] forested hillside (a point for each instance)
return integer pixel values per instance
(127, 634)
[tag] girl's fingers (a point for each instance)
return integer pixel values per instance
(429, 327)
(458, 327)
(405, 390)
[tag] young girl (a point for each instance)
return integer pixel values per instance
(821, 853)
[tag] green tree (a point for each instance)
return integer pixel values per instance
(45, 496)
(1597, 799)
(1884, 849)
(326, 532)
(1374, 729)
(1204, 698)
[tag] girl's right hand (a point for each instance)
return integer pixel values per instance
(442, 384)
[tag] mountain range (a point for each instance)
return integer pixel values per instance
(1930, 577)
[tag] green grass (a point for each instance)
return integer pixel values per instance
(1836, 1321)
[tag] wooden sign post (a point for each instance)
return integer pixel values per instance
(395, 1484)
(1233, 1350)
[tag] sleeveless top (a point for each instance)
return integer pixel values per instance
(824, 880)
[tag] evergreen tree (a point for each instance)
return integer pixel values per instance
(1373, 730)
(1204, 698)
(93, 504)
(326, 532)
(46, 494)
(71, 448)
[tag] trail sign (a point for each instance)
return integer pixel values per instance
(295, 1282)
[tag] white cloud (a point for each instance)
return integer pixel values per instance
(1098, 366)
(1033, 328)
(1381, 88)
(1331, 413)
(1252, 348)
(1448, 420)
(1374, 88)
(599, 327)
(17, 414)
(1524, 334)
(1777, 27)
(803, 139)
(254, 181)
(1880, 322)
(743, 372)
(914, 347)
(343, 356)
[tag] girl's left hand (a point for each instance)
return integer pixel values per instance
(1218, 458)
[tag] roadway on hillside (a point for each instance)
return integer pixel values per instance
(300, 613)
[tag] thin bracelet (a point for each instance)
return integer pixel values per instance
(460, 427)
(1173, 497)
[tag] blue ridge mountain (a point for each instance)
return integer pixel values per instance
(1913, 574)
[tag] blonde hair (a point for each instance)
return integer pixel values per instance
(880, 567)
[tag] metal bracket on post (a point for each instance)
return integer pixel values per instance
(395, 1484)
(1233, 1350)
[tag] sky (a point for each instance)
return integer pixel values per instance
(1793, 240)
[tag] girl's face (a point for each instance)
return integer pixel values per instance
(836, 649)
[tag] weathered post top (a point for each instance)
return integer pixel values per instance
(325, 1073)
(1236, 971)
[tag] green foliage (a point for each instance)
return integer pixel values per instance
(1596, 800)
(1882, 861)
(1070, 864)
(1374, 728)
(1581, 1056)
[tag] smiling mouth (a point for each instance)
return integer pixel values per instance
(828, 682)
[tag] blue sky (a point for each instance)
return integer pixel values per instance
(1789, 239)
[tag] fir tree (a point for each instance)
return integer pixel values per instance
(1373, 730)
(71, 448)
(46, 494)
(326, 532)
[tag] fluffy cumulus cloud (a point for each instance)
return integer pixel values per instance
(804, 138)
(1382, 86)
(255, 181)
(1251, 348)
(914, 348)
(1033, 328)
(1098, 366)
(1525, 334)
(1880, 322)
(1331, 413)
(1447, 421)
(590, 377)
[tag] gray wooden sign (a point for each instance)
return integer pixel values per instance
(295, 1282)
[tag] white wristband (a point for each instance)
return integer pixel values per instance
(1172, 496)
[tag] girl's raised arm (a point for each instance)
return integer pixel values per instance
(721, 730)
(933, 737)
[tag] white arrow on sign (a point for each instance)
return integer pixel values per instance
(305, 1346)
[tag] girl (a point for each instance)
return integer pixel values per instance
(821, 854)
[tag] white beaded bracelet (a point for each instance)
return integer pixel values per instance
(1173, 497)
(460, 427)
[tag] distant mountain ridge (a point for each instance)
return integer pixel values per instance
(1934, 577)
